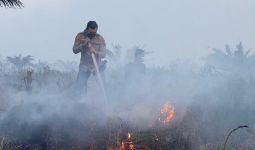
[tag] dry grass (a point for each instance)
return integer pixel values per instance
(200, 128)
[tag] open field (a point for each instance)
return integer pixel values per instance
(182, 107)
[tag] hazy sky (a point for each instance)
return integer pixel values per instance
(173, 29)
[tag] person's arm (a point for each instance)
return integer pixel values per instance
(102, 51)
(79, 44)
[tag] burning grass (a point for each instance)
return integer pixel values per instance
(40, 111)
(75, 131)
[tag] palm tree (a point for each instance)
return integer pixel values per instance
(230, 59)
(239, 61)
(11, 3)
(20, 62)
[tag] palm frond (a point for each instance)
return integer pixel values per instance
(219, 52)
(247, 53)
(11, 3)
(27, 60)
(20, 61)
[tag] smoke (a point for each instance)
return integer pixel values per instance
(209, 101)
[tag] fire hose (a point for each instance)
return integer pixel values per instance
(99, 77)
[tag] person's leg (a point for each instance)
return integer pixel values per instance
(101, 84)
(81, 82)
(101, 76)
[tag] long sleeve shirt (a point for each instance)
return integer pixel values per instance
(81, 46)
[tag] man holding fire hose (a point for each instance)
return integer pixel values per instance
(92, 47)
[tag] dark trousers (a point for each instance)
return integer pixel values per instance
(82, 79)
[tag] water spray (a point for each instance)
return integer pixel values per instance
(99, 77)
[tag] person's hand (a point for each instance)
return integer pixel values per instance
(91, 48)
(89, 45)
(86, 40)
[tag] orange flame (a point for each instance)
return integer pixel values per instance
(129, 135)
(127, 144)
(122, 146)
(167, 114)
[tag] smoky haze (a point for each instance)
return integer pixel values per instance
(171, 29)
(208, 102)
(40, 108)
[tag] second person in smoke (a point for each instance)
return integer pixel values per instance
(135, 70)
